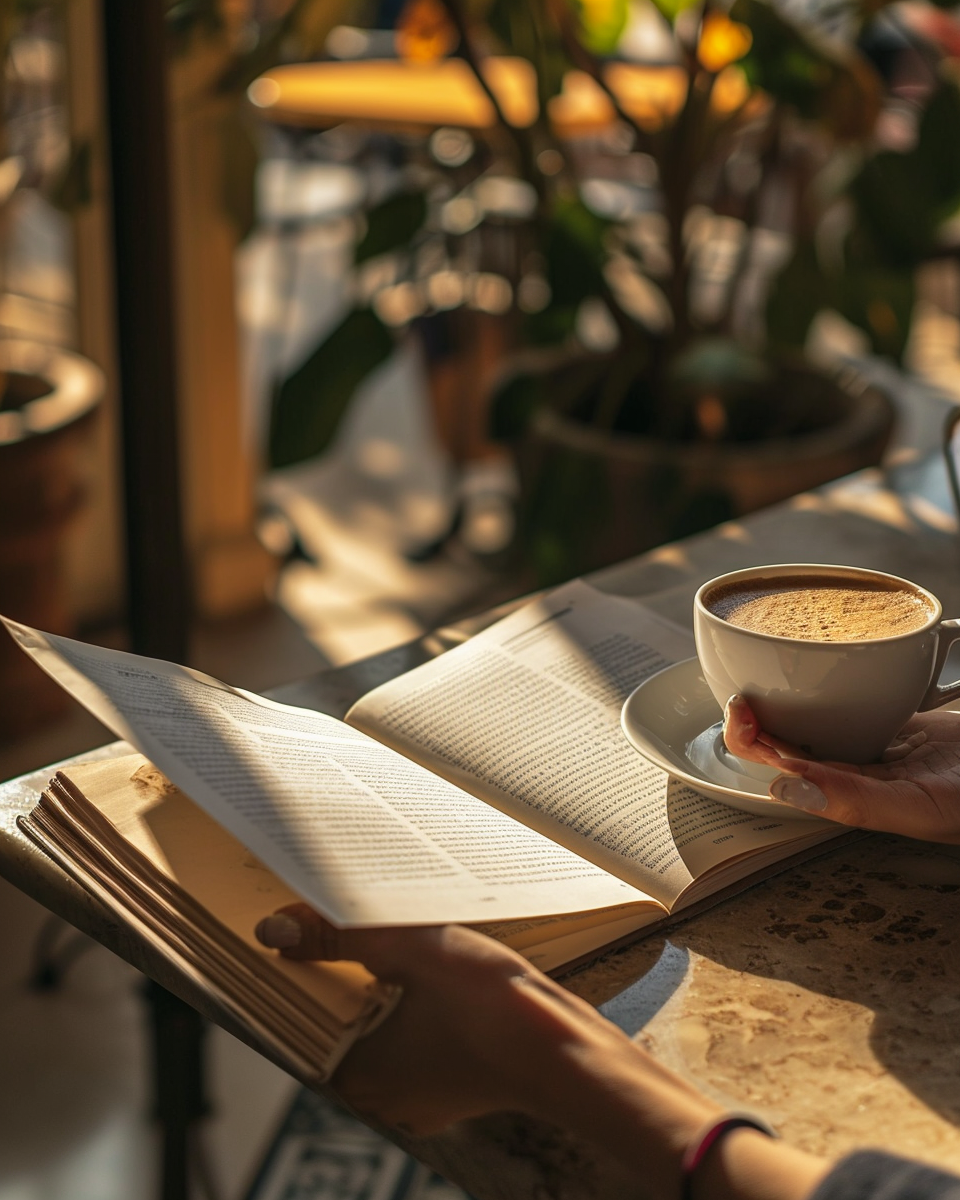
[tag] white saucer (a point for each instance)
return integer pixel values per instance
(673, 720)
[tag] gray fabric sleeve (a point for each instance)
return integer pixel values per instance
(873, 1175)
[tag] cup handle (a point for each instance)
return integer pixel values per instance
(949, 632)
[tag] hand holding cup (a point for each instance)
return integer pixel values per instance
(915, 791)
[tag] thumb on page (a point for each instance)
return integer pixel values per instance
(299, 932)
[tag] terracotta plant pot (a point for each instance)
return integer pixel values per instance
(49, 402)
(591, 497)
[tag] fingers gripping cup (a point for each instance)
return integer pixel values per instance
(832, 659)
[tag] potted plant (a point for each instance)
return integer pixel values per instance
(663, 262)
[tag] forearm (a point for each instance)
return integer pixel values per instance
(480, 1031)
(607, 1089)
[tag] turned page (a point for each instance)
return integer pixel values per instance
(360, 832)
(527, 715)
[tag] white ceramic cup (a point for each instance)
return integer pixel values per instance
(838, 700)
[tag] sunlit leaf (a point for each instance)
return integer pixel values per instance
(424, 31)
(602, 23)
(392, 224)
(722, 42)
(309, 405)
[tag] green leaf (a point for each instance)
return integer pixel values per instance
(780, 60)
(551, 326)
(392, 224)
(880, 301)
(795, 66)
(574, 248)
(868, 291)
(899, 209)
(530, 31)
(671, 9)
(309, 405)
(797, 294)
(602, 23)
(902, 198)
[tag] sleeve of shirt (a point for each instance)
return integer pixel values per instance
(873, 1175)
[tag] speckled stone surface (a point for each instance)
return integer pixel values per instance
(828, 998)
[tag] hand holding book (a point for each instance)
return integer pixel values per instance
(479, 1030)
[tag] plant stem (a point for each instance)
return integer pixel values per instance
(521, 144)
(588, 62)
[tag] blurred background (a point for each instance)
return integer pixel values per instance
(324, 323)
(327, 322)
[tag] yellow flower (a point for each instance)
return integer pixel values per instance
(722, 42)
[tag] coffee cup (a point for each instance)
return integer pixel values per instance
(832, 659)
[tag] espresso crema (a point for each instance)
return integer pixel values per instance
(820, 608)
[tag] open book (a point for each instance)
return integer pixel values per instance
(491, 786)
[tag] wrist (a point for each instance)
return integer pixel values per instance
(604, 1088)
(588, 1078)
(707, 1142)
(613, 1093)
(748, 1165)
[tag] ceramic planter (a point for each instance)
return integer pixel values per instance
(591, 497)
(49, 404)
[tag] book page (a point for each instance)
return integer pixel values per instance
(215, 869)
(360, 832)
(527, 714)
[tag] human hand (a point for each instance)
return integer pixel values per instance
(477, 1030)
(914, 791)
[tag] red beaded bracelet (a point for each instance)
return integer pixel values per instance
(700, 1146)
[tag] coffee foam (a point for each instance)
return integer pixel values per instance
(820, 608)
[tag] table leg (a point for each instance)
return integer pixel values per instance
(178, 1082)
